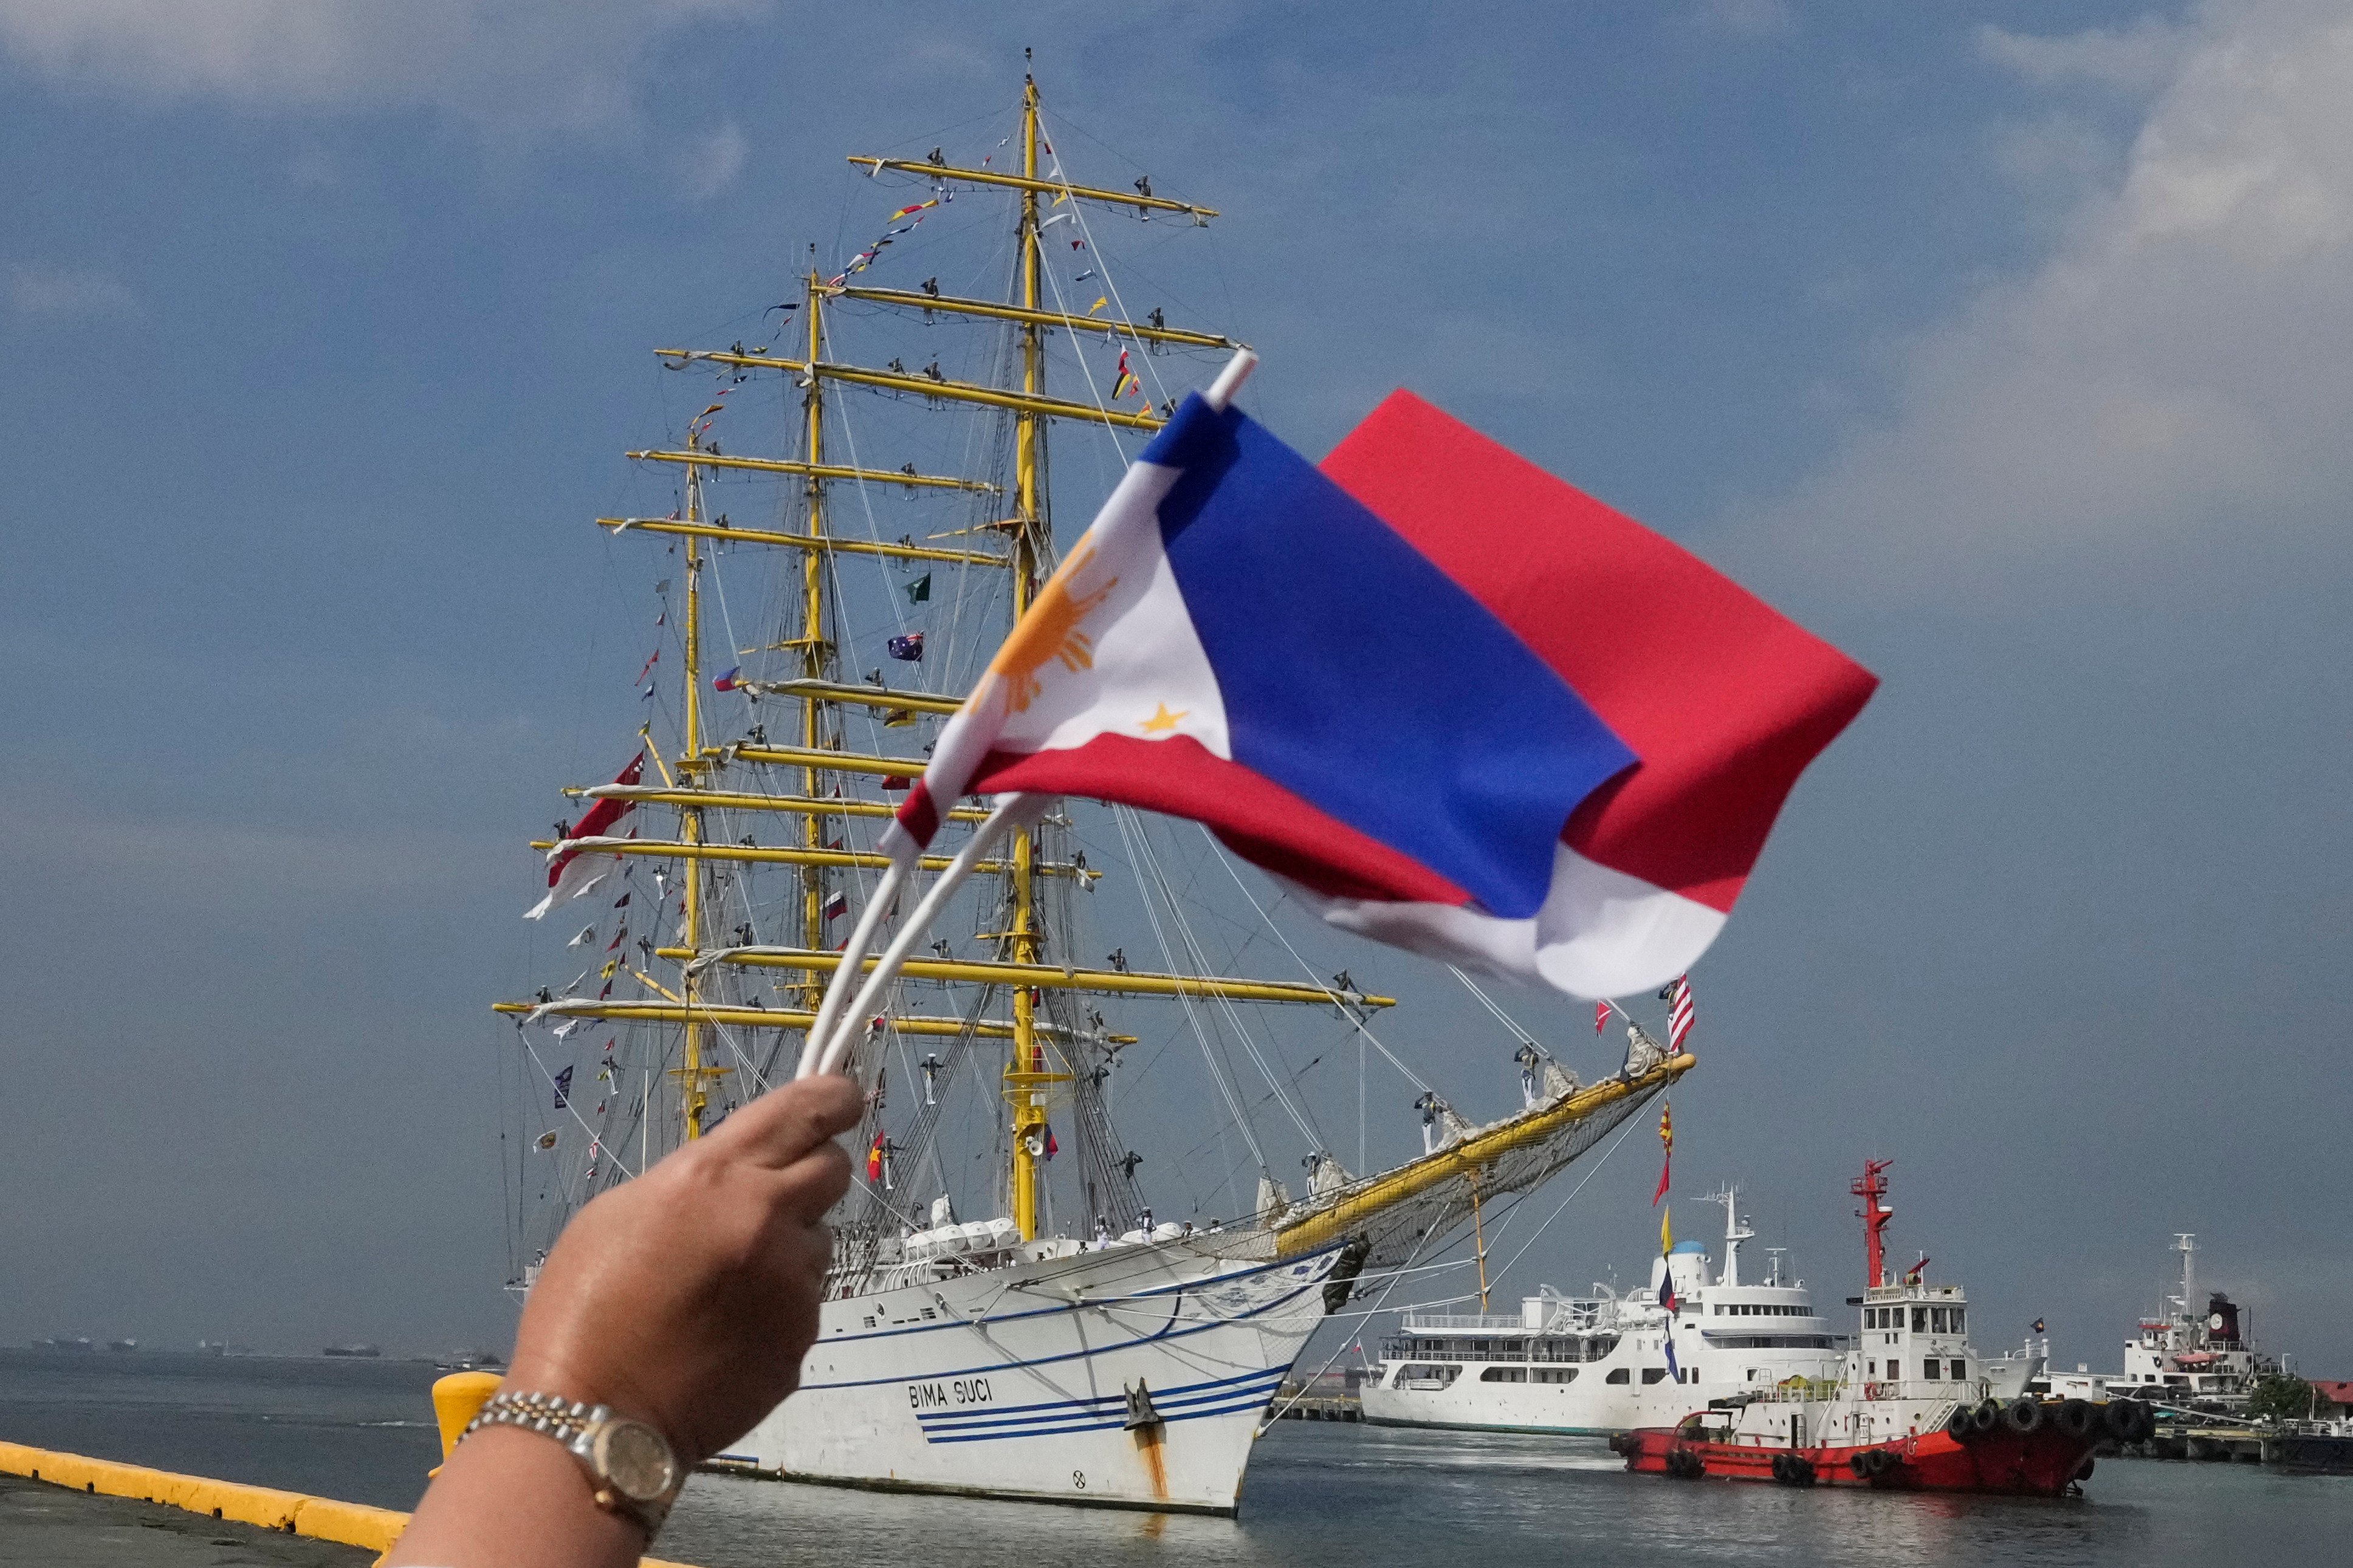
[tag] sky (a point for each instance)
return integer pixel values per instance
(2008, 346)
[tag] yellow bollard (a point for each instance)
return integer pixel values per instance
(456, 1399)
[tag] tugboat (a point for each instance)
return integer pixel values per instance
(1915, 1411)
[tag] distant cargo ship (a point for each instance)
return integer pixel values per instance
(366, 1352)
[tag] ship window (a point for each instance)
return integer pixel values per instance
(1959, 1325)
(1960, 1370)
(1895, 1372)
(1870, 1369)
(1619, 1376)
(1652, 1374)
(1556, 1374)
(1504, 1374)
(1937, 1321)
(1928, 1369)
(1919, 1319)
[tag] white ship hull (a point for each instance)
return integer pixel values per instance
(1609, 1363)
(1015, 1382)
(1590, 1405)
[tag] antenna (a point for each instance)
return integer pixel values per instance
(1735, 1233)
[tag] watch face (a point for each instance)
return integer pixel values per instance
(633, 1456)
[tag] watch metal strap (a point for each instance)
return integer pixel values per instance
(574, 1424)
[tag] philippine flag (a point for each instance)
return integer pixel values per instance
(1465, 708)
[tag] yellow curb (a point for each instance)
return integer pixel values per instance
(321, 1518)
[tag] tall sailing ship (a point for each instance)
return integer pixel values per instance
(998, 1321)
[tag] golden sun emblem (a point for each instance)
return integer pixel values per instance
(1050, 631)
(1162, 721)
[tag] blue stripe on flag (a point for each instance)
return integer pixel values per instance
(1364, 679)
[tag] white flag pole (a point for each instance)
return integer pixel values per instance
(1229, 380)
(854, 953)
(1013, 811)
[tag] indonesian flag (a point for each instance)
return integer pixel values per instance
(571, 873)
(1463, 707)
(874, 1159)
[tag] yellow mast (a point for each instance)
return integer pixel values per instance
(1025, 1075)
(689, 1071)
(815, 649)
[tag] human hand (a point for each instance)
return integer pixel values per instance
(686, 1299)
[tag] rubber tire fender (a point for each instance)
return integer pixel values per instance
(1857, 1465)
(1802, 1471)
(2023, 1415)
(1781, 1468)
(1879, 1461)
(1987, 1417)
(2077, 1418)
(1962, 1425)
(2144, 1420)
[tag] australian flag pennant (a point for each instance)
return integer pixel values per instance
(909, 648)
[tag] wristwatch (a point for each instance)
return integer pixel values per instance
(632, 1467)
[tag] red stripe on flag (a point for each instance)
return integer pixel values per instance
(1724, 699)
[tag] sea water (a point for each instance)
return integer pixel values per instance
(1318, 1493)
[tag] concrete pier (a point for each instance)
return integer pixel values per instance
(45, 1525)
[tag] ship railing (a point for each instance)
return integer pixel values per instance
(1465, 1322)
(1801, 1391)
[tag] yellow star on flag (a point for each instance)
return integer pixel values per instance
(1161, 719)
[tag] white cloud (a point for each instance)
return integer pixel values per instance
(510, 65)
(1749, 18)
(41, 289)
(2183, 362)
(2142, 57)
(715, 163)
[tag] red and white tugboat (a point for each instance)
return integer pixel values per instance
(1917, 1410)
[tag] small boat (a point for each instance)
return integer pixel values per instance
(123, 1347)
(1916, 1409)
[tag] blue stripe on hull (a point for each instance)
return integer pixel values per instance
(1256, 1400)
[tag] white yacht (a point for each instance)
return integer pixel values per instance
(1603, 1364)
